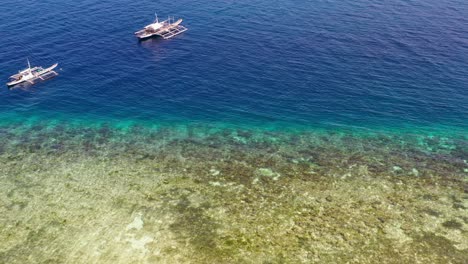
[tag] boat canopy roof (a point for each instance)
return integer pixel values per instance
(154, 26)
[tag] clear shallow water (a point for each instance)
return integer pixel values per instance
(276, 132)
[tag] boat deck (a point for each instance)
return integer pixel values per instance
(23, 71)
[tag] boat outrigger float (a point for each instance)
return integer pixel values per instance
(166, 29)
(30, 75)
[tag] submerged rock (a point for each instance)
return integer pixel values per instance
(137, 223)
(267, 172)
(214, 172)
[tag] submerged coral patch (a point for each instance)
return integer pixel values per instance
(195, 194)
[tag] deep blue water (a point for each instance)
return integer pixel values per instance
(357, 63)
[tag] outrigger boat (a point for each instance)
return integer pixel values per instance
(165, 29)
(31, 74)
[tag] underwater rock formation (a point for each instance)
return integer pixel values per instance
(208, 195)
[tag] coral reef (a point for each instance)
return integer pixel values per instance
(207, 194)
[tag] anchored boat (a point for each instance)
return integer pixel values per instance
(29, 75)
(165, 29)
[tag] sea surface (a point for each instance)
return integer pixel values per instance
(288, 93)
(359, 64)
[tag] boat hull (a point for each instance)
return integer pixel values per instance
(143, 37)
(11, 84)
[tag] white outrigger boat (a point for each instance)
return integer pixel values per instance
(165, 29)
(29, 75)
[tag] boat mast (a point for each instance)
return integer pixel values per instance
(29, 65)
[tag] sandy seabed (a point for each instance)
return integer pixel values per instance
(105, 195)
